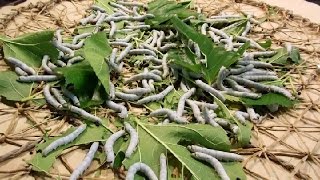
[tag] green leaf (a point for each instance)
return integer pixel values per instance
(11, 89)
(268, 99)
(104, 4)
(30, 48)
(172, 99)
(96, 48)
(91, 134)
(266, 44)
(237, 29)
(184, 61)
(283, 57)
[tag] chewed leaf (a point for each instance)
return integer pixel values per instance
(283, 57)
(269, 99)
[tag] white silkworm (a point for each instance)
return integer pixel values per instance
(111, 91)
(156, 97)
(255, 72)
(58, 96)
(273, 107)
(222, 122)
(208, 118)
(113, 65)
(204, 28)
(141, 76)
(61, 63)
(167, 47)
(143, 26)
(97, 17)
(129, 18)
(210, 89)
(253, 116)
(119, 43)
(204, 104)
(71, 96)
(51, 99)
(150, 82)
(97, 8)
(227, 16)
(163, 167)
(263, 54)
(239, 115)
(64, 140)
(223, 73)
(213, 162)
(288, 48)
(170, 36)
(118, 107)
(152, 59)
(86, 162)
(260, 77)
(127, 97)
(256, 64)
(251, 95)
(183, 99)
(247, 28)
(21, 65)
(44, 65)
(127, 39)
(137, 91)
(38, 78)
(113, 29)
(74, 46)
(165, 67)
(74, 60)
(62, 48)
(142, 51)
(183, 87)
(241, 70)
(220, 155)
(85, 20)
(148, 172)
(84, 114)
(108, 147)
(234, 85)
(160, 39)
(58, 35)
(119, 6)
(134, 139)
(196, 111)
(252, 42)
(172, 115)
(20, 72)
(154, 38)
(216, 21)
(197, 50)
(100, 20)
(51, 65)
(124, 53)
(127, 3)
(147, 46)
(224, 35)
(214, 37)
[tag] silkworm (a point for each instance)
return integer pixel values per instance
(204, 104)
(253, 116)
(127, 97)
(196, 111)
(260, 77)
(97, 17)
(74, 60)
(111, 90)
(118, 107)
(100, 20)
(143, 26)
(127, 39)
(131, 3)
(38, 78)
(119, 43)
(20, 72)
(172, 115)
(58, 96)
(219, 33)
(222, 122)
(214, 37)
(84, 114)
(113, 29)
(247, 57)
(62, 48)
(183, 87)
(97, 8)
(21, 65)
(167, 47)
(71, 96)
(150, 82)
(234, 128)
(50, 99)
(86, 162)
(213, 162)
(166, 121)
(197, 50)
(251, 95)
(145, 169)
(134, 139)
(61, 55)
(61, 63)
(223, 73)
(58, 35)
(119, 6)
(163, 167)
(241, 70)
(160, 39)
(85, 20)
(210, 89)
(227, 16)
(188, 18)
(239, 115)
(44, 65)
(137, 91)
(129, 18)
(215, 21)
(263, 54)
(108, 147)
(183, 99)
(235, 86)
(141, 76)
(154, 38)
(252, 42)
(247, 28)
(256, 64)
(124, 53)
(156, 97)
(51, 65)
(74, 46)
(116, 67)
(273, 107)
(170, 36)
(208, 118)
(142, 51)
(255, 72)
(204, 28)
(220, 155)
(63, 140)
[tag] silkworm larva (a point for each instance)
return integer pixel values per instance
(61, 63)
(273, 107)
(242, 69)
(111, 91)
(118, 107)
(74, 46)
(252, 114)
(260, 77)
(85, 20)
(58, 35)
(86, 162)
(219, 33)
(129, 18)
(142, 51)
(208, 118)
(64, 49)
(97, 17)
(148, 172)
(163, 167)
(252, 42)
(38, 78)
(183, 99)
(127, 39)
(147, 46)
(247, 57)
(172, 115)
(134, 139)
(220, 155)
(197, 50)
(20, 72)
(119, 6)
(51, 65)
(143, 26)
(238, 115)
(131, 3)
(210, 89)
(150, 82)
(222, 122)
(234, 85)
(256, 64)
(58, 96)
(167, 47)
(183, 87)
(61, 55)
(108, 147)
(188, 18)
(21, 65)
(44, 65)
(156, 97)
(141, 76)
(247, 28)
(196, 111)
(74, 60)
(138, 91)
(124, 53)
(170, 36)
(251, 95)
(100, 20)
(51, 99)
(166, 121)
(71, 96)
(160, 39)
(127, 97)
(214, 37)
(97, 8)
(234, 128)
(84, 114)
(204, 28)
(256, 72)
(154, 38)
(263, 54)
(165, 67)
(225, 16)
(113, 29)
(213, 162)
(204, 104)
(64, 140)
(223, 73)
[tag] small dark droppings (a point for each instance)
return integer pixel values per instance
(238, 178)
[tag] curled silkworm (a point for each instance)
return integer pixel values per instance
(239, 115)
(160, 39)
(127, 97)
(124, 53)
(252, 42)
(44, 64)
(61, 63)
(85, 20)
(118, 107)
(263, 53)
(220, 155)
(223, 73)
(137, 91)
(143, 26)
(163, 167)
(141, 76)
(113, 29)
(253, 116)
(119, 6)
(38, 78)
(97, 8)
(51, 99)
(86, 162)
(213, 162)
(111, 91)
(242, 69)
(74, 60)
(196, 111)
(64, 49)
(145, 169)
(134, 139)
(210, 89)
(58, 35)
(273, 107)
(142, 51)
(170, 36)
(74, 46)
(58, 96)
(127, 3)
(165, 66)
(167, 47)
(247, 28)
(84, 114)
(204, 28)
(214, 37)
(172, 115)
(21, 65)
(251, 95)
(71, 96)
(156, 97)
(209, 119)
(20, 72)
(183, 99)
(256, 64)
(234, 85)
(260, 77)
(64, 140)
(108, 147)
